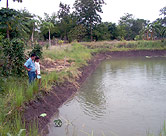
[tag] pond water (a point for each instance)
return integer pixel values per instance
(123, 97)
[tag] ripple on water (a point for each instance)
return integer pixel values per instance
(123, 97)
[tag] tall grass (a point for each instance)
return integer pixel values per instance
(141, 44)
(15, 92)
(127, 45)
(162, 132)
(19, 97)
(77, 52)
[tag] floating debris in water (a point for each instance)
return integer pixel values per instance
(148, 57)
(58, 123)
(43, 115)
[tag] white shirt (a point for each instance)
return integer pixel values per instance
(37, 66)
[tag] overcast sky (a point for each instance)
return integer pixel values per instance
(112, 11)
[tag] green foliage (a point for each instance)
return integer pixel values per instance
(14, 23)
(47, 45)
(159, 28)
(13, 57)
(32, 88)
(101, 32)
(77, 33)
(16, 93)
(88, 12)
(44, 31)
(138, 37)
(1, 61)
(19, 97)
(66, 21)
(37, 49)
(163, 11)
(78, 53)
(129, 27)
(60, 42)
(63, 11)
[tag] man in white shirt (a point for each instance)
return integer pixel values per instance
(37, 66)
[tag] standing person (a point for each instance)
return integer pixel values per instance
(30, 67)
(37, 66)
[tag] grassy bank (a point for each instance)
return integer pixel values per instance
(16, 92)
(127, 45)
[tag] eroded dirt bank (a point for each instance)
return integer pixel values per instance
(51, 101)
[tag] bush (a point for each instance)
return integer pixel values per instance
(13, 57)
(37, 50)
(47, 45)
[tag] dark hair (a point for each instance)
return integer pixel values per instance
(37, 58)
(32, 55)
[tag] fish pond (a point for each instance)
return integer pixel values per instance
(123, 97)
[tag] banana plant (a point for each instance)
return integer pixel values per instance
(160, 29)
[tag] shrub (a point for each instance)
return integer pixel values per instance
(37, 49)
(47, 45)
(13, 57)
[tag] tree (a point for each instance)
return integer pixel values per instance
(7, 19)
(163, 11)
(64, 10)
(14, 23)
(159, 29)
(7, 2)
(88, 13)
(121, 32)
(65, 21)
(113, 30)
(163, 19)
(101, 32)
(13, 57)
(77, 33)
(126, 22)
(44, 32)
(131, 26)
(49, 26)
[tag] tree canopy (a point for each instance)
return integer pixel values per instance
(88, 12)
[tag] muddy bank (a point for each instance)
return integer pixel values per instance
(51, 101)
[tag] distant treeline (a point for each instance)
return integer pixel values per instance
(82, 24)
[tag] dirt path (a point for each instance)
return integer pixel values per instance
(50, 103)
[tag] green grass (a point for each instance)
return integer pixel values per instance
(15, 93)
(76, 52)
(127, 45)
(162, 132)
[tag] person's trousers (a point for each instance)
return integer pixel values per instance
(32, 76)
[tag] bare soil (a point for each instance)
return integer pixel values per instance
(51, 101)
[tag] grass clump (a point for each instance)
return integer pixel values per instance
(15, 93)
(126, 45)
(162, 132)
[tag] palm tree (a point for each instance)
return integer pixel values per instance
(49, 26)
